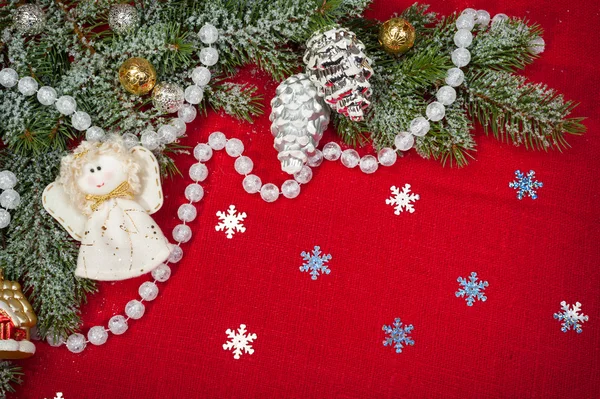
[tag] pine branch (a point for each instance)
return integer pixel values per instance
(180, 49)
(84, 41)
(9, 376)
(421, 70)
(505, 46)
(352, 133)
(420, 18)
(238, 100)
(40, 253)
(449, 140)
(521, 112)
(332, 12)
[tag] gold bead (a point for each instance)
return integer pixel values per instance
(137, 75)
(397, 36)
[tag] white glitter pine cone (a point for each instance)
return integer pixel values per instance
(336, 62)
(299, 116)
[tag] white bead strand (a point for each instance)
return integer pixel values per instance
(148, 290)
(446, 95)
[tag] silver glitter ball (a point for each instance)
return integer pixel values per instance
(167, 97)
(29, 19)
(122, 18)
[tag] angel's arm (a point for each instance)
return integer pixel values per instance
(58, 204)
(151, 195)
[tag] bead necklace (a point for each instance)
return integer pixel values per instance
(67, 105)
(404, 141)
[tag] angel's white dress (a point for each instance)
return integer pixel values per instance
(120, 240)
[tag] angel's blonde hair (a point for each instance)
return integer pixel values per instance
(71, 167)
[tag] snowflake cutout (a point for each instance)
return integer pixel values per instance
(230, 222)
(401, 200)
(570, 317)
(238, 341)
(398, 335)
(59, 395)
(315, 263)
(472, 290)
(525, 185)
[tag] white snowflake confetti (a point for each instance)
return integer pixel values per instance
(570, 317)
(401, 200)
(238, 341)
(230, 222)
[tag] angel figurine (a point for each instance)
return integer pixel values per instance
(104, 197)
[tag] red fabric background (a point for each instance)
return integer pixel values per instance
(323, 338)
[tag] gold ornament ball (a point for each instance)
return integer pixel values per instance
(137, 75)
(397, 36)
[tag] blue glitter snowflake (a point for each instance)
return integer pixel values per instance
(525, 185)
(315, 263)
(472, 290)
(398, 335)
(571, 319)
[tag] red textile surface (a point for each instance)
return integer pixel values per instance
(323, 338)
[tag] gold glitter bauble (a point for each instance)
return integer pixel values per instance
(137, 75)
(397, 36)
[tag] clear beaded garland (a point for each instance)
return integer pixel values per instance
(46, 95)
(27, 86)
(9, 197)
(251, 183)
(208, 34)
(118, 325)
(167, 97)
(135, 309)
(8, 77)
(97, 335)
(446, 95)
(76, 343)
(186, 113)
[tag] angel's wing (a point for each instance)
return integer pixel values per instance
(58, 204)
(151, 196)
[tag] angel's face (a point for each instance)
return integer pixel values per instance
(102, 175)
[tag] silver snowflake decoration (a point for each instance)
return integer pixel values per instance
(231, 222)
(398, 335)
(402, 200)
(238, 341)
(570, 317)
(472, 290)
(315, 263)
(526, 186)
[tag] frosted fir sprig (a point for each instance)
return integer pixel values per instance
(9, 376)
(39, 254)
(505, 104)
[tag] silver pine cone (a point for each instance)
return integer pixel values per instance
(299, 117)
(336, 62)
